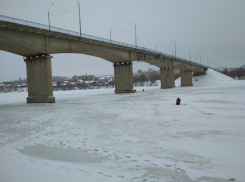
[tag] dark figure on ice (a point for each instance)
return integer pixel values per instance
(178, 101)
(134, 90)
(143, 90)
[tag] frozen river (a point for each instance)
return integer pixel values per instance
(96, 135)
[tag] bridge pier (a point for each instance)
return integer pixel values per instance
(167, 77)
(186, 78)
(39, 79)
(123, 77)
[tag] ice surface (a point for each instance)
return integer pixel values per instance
(96, 135)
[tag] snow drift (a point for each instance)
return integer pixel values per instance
(212, 77)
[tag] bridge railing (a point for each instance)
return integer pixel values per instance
(55, 29)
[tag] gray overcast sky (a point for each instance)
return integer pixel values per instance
(214, 29)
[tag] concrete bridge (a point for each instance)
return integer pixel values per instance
(36, 42)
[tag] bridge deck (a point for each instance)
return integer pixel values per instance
(91, 38)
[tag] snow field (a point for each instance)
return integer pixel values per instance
(96, 135)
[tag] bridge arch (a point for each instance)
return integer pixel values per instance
(28, 45)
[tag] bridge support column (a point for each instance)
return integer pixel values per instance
(167, 77)
(39, 79)
(123, 77)
(186, 78)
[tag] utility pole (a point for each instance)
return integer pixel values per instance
(175, 47)
(156, 46)
(190, 53)
(79, 17)
(110, 32)
(48, 15)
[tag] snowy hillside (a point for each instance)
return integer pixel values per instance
(96, 135)
(212, 77)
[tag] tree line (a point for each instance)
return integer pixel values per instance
(239, 73)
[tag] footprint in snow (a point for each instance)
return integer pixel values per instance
(108, 176)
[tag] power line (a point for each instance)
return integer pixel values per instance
(123, 30)
(62, 11)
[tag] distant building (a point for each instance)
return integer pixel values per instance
(58, 78)
(79, 81)
(149, 73)
(2, 86)
(139, 71)
(84, 77)
(54, 84)
(23, 85)
(106, 76)
(231, 69)
(222, 69)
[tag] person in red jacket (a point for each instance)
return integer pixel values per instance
(178, 101)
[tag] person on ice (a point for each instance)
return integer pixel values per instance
(178, 101)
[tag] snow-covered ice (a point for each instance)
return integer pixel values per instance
(96, 135)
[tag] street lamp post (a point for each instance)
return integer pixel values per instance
(79, 18)
(156, 46)
(48, 15)
(175, 47)
(135, 34)
(190, 54)
(110, 32)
